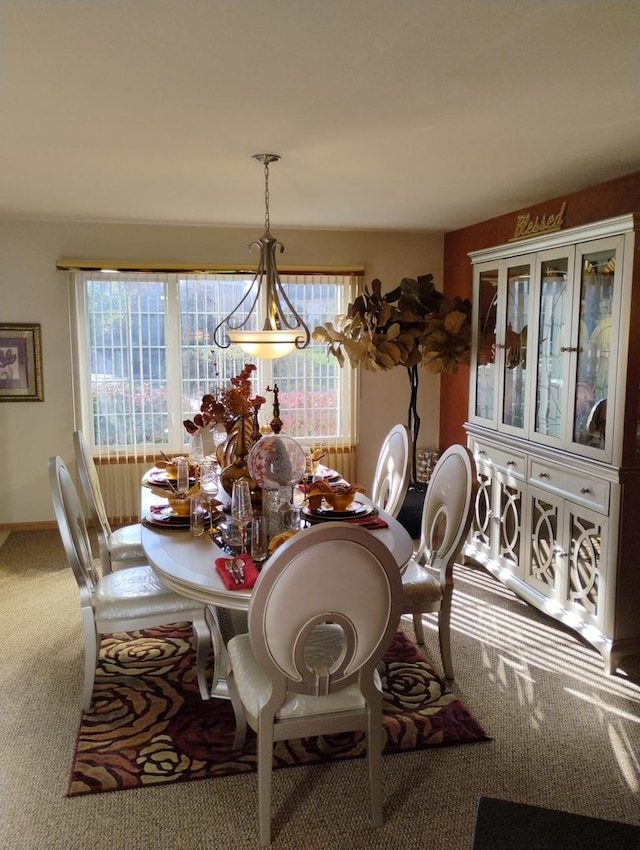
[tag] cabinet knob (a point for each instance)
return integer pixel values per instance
(543, 475)
(585, 490)
(481, 452)
(571, 348)
(557, 551)
(511, 463)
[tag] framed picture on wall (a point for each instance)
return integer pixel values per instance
(20, 363)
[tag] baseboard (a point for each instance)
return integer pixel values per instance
(28, 526)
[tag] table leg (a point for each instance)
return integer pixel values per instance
(222, 626)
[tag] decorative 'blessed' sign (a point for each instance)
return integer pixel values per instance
(527, 226)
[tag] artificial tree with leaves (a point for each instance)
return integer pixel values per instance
(413, 325)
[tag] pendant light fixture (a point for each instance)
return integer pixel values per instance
(283, 330)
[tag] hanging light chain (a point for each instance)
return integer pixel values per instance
(267, 221)
(266, 159)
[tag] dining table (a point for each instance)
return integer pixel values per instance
(186, 564)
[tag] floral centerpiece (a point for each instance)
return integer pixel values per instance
(413, 325)
(231, 405)
(237, 411)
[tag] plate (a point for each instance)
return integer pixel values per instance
(170, 522)
(160, 478)
(166, 517)
(327, 512)
(329, 474)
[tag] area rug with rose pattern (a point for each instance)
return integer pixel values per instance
(148, 725)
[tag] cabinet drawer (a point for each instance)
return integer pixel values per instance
(586, 489)
(506, 460)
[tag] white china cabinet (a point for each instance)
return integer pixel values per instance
(553, 424)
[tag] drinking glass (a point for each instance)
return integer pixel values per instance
(292, 518)
(209, 484)
(196, 450)
(182, 483)
(241, 508)
(231, 537)
(220, 436)
(308, 463)
(196, 516)
(259, 544)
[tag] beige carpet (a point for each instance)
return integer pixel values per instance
(564, 736)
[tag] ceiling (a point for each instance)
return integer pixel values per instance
(388, 114)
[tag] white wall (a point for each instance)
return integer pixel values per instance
(33, 291)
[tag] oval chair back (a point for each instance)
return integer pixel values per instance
(336, 573)
(122, 547)
(73, 529)
(393, 471)
(448, 506)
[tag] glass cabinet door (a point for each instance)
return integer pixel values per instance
(513, 344)
(485, 344)
(553, 326)
(596, 346)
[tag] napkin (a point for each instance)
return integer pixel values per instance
(368, 521)
(250, 573)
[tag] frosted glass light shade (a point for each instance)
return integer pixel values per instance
(266, 344)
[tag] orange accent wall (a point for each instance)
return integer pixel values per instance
(606, 200)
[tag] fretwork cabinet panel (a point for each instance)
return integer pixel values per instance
(564, 555)
(496, 531)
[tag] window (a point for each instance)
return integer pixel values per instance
(145, 357)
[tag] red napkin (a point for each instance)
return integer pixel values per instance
(368, 521)
(250, 573)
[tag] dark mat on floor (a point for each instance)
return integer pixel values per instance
(501, 825)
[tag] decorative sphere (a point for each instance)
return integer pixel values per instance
(276, 461)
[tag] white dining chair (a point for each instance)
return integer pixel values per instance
(427, 580)
(121, 547)
(393, 471)
(322, 614)
(121, 601)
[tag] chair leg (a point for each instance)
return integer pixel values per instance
(91, 652)
(374, 758)
(203, 645)
(418, 628)
(265, 757)
(219, 651)
(444, 637)
(238, 711)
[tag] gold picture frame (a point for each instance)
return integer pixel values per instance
(20, 362)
